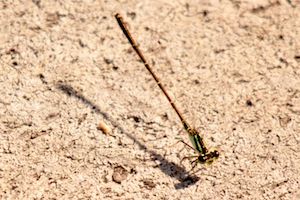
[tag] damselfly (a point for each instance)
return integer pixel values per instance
(204, 155)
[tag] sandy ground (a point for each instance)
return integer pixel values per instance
(232, 67)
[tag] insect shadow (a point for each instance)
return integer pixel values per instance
(169, 168)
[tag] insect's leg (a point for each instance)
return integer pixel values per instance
(177, 142)
(189, 146)
(188, 157)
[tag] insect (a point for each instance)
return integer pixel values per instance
(204, 155)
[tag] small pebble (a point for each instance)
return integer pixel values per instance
(105, 128)
(119, 174)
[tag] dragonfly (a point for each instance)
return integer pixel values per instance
(204, 155)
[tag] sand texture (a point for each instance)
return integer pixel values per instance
(81, 117)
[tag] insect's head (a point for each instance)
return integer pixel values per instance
(209, 157)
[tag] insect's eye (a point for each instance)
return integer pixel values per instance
(216, 154)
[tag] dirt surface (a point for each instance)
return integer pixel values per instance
(81, 118)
